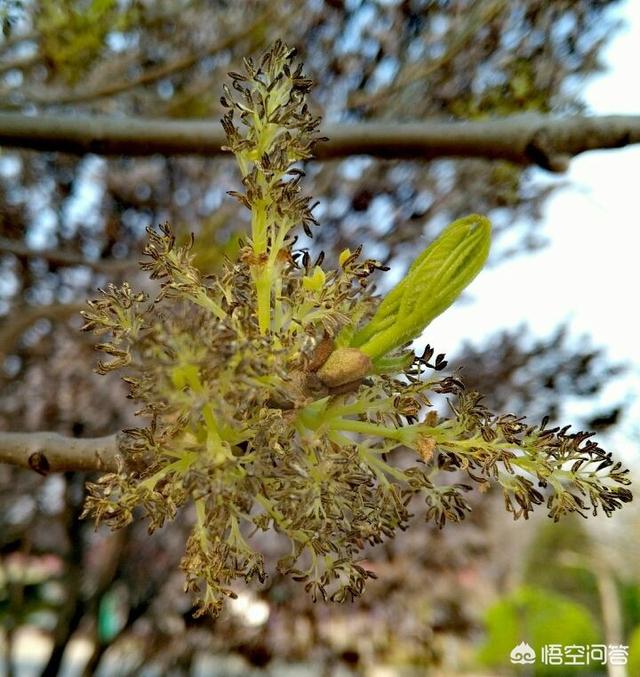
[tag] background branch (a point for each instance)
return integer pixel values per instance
(523, 139)
(481, 14)
(20, 319)
(152, 75)
(19, 62)
(47, 452)
(62, 258)
(17, 38)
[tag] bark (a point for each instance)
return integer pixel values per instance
(47, 452)
(523, 139)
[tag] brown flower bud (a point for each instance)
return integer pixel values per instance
(425, 446)
(344, 365)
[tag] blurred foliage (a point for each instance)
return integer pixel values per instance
(546, 569)
(371, 60)
(630, 600)
(538, 617)
(634, 652)
(72, 35)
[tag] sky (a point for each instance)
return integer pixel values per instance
(589, 274)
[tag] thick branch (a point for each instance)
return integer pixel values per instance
(523, 139)
(47, 452)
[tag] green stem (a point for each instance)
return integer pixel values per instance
(182, 465)
(263, 295)
(365, 428)
(204, 301)
(280, 520)
(378, 464)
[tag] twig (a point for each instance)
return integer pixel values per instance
(481, 15)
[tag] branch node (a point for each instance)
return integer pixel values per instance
(39, 462)
(541, 152)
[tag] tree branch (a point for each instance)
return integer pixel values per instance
(482, 14)
(47, 452)
(15, 39)
(21, 318)
(524, 139)
(19, 62)
(62, 258)
(152, 75)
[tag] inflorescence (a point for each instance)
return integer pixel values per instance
(279, 395)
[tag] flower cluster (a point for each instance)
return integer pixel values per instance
(279, 395)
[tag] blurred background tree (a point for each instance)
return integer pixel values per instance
(86, 218)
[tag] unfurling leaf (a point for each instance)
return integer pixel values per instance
(434, 281)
